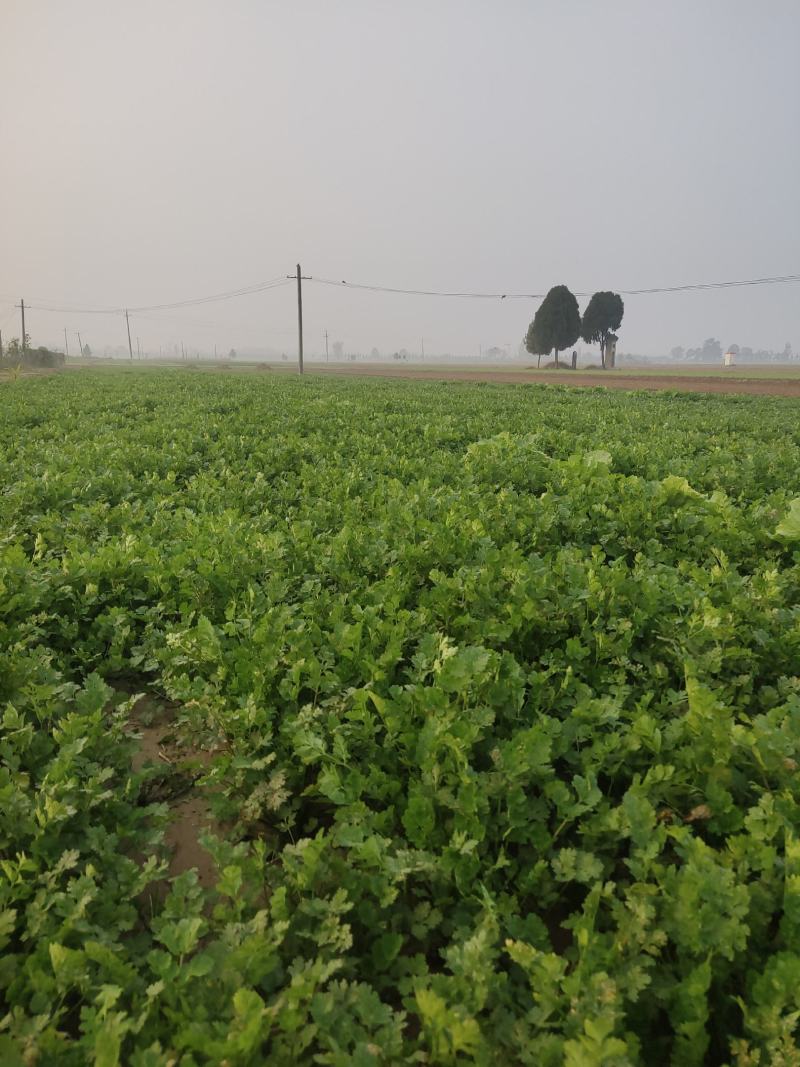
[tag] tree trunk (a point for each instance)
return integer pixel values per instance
(539, 361)
(603, 352)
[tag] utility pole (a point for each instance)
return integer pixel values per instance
(422, 345)
(21, 306)
(183, 354)
(1, 344)
(215, 350)
(128, 324)
(326, 346)
(80, 343)
(138, 350)
(299, 320)
(300, 279)
(66, 343)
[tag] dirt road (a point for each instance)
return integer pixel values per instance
(608, 380)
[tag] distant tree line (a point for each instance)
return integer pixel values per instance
(558, 323)
(711, 352)
(15, 353)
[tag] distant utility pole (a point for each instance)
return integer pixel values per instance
(128, 324)
(80, 343)
(1, 344)
(422, 345)
(183, 353)
(215, 350)
(21, 306)
(66, 343)
(326, 346)
(300, 279)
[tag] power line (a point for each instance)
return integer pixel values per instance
(260, 287)
(429, 292)
(44, 305)
(782, 279)
(280, 281)
(274, 283)
(776, 280)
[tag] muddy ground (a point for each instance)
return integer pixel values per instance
(605, 379)
(160, 744)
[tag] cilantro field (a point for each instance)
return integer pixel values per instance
(491, 694)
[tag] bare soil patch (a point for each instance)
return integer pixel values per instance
(789, 387)
(160, 743)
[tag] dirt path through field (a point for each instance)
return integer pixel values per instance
(153, 724)
(608, 380)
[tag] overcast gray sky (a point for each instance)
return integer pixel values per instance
(165, 149)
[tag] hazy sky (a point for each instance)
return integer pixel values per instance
(166, 149)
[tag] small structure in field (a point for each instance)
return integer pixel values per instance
(729, 359)
(611, 351)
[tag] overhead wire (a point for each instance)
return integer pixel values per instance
(775, 280)
(781, 279)
(75, 310)
(283, 280)
(428, 292)
(8, 316)
(260, 287)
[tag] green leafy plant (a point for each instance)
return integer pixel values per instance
(484, 702)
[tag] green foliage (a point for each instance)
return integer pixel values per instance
(789, 527)
(556, 324)
(14, 355)
(601, 319)
(508, 684)
(536, 342)
(15, 348)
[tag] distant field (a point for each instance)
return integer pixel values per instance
(783, 380)
(754, 380)
(752, 370)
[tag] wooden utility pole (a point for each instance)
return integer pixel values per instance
(128, 324)
(300, 279)
(80, 343)
(138, 350)
(299, 320)
(66, 343)
(326, 346)
(24, 336)
(422, 346)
